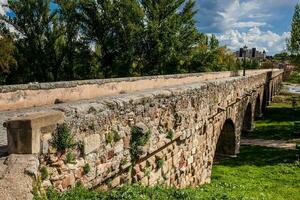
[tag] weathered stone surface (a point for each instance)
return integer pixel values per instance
(91, 143)
(14, 183)
(205, 117)
(24, 132)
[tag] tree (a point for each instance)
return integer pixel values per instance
(33, 21)
(115, 28)
(294, 42)
(284, 56)
(214, 42)
(7, 48)
(169, 36)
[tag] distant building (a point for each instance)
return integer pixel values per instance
(251, 54)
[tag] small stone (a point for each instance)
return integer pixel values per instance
(68, 181)
(115, 182)
(53, 158)
(119, 147)
(126, 142)
(71, 166)
(110, 154)
(58, 163)
(46, 184)
(78, 173)
(143, 129)
(91, 143)
(80, 162)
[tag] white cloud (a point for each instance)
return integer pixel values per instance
(254, 37)
(2, 9)
(248, 24)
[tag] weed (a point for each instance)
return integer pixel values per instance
(170, 134)
(112, 136)
(86, 168)
(160, 163)
(63, 139)
(70, 158)
(44, 173)
(137, 139)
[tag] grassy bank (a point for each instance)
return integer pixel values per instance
(257, 173)
(277, 123)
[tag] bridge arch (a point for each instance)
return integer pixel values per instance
(226, 145)
(258, 106)
(247, 120)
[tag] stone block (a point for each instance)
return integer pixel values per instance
(91, 143)
(24, 132)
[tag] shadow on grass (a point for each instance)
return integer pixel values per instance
(260, 156)
(277, 123)
(280, 114)
(272, 132)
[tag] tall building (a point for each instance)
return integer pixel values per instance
(251, 54)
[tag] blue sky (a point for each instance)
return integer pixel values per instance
(264, 24)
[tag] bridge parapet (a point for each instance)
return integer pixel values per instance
(29, 95)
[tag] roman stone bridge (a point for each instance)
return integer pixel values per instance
(164, 129)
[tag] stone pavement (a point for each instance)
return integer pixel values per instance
(16, 172)
(269, 143)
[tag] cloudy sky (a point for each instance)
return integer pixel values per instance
(264, 24)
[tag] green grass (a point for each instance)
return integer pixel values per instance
(277, 123)
(257, 173)
(294, 78)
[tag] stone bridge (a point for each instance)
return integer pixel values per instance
(164, 129)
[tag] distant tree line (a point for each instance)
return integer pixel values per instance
(46, 40)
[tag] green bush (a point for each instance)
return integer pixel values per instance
(44, 173)
(170, 134)
(62, 139)
(70, 158)
(86, 168)
(112, 136)
(137, 139)
(160, 163)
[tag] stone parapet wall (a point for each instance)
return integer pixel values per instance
(165, 135)
(41, 94)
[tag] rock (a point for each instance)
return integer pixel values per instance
(115, 182)
(142, 128)
(119, 147)
(59, 163)
(53, 158)
(68, 181)
(33, 166)
(46, 184)
(71, 166)
(126, 142)
(78, 173)
(91, 143)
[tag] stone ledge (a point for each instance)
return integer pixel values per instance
(24, 132)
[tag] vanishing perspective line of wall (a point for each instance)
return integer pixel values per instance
(168, 135)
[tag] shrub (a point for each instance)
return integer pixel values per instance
(62, 139)
(44, 173)
(160, 163)
(112, 136)
(170, 134)
(86, 168)
(70, 158)
(137, 139)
